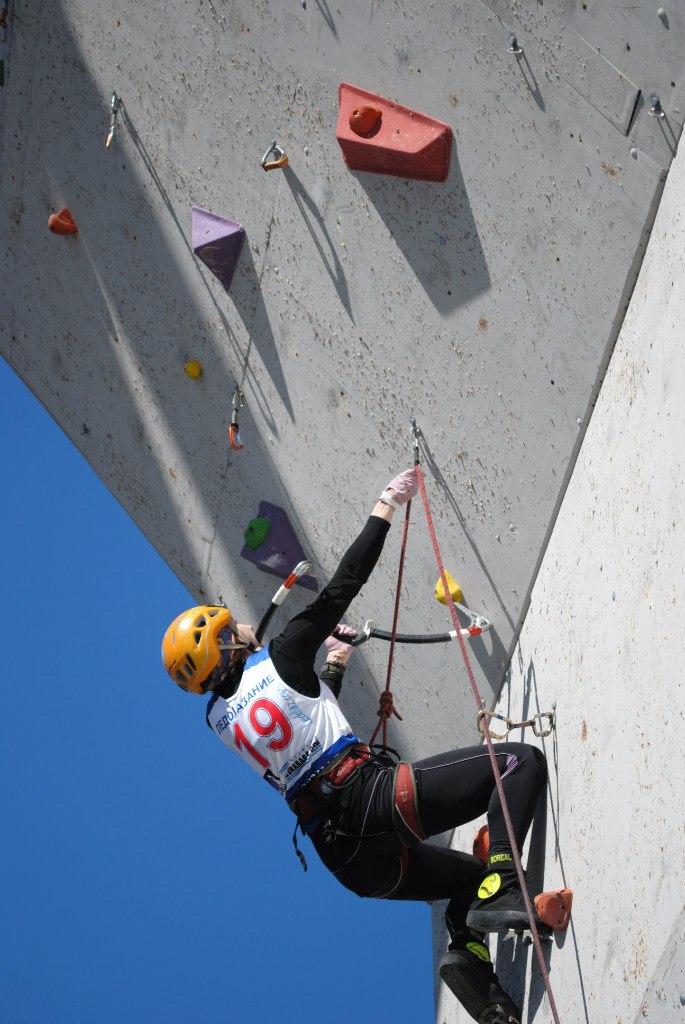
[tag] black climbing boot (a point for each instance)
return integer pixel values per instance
(467, 971)
(499, 905)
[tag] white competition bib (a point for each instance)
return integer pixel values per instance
(282, 734)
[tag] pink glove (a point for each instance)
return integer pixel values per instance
(332, 643)
(401, 488)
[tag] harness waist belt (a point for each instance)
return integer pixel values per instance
(307, 805)
(340, 771)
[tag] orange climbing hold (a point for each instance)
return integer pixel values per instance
(363, 120)
(62, 223)
(554, 908)
(481, 844)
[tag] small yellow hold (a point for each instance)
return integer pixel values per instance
(455, 590)
(193, 368)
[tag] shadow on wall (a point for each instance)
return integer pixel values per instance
(434, 227)
(120, 353)
(499, 654)
(320, 236)
(248, 299)
(512, 956)
(246, 293)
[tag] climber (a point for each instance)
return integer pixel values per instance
(366, 815)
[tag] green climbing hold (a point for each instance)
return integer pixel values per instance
(256, 532)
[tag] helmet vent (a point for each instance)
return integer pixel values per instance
(200, 621)
(197, 636)
(190, 662)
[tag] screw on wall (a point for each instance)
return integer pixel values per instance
(115, 107)
(513, 46)
(655, 109)
(280, 158)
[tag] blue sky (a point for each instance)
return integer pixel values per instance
(148, 875)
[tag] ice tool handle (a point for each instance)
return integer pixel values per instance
(301, 569)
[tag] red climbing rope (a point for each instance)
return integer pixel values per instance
(486, 733)
(386, 707)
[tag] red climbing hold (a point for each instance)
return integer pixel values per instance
(554, 908)
(406, 144)
(62, 223)
(481, 844)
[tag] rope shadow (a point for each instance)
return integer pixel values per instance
(436, 473)
(530, 79)
(248, 313)
(538, 847)
(309, 209)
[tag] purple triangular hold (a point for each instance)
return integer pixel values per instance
(217, 242)
(281, 550)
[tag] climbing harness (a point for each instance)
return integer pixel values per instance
(313, 805)
(485, 729)
(233, 430)
(280, 159)
(405, 806)
(536, 723)
(115, 107)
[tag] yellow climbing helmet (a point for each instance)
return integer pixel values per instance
(192, 647)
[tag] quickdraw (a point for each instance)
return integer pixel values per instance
(278, 152)
(115, 106)
(233, 430)
(535, 723)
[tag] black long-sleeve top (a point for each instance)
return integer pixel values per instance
(294, 649)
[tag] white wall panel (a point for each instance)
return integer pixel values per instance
(603, 643)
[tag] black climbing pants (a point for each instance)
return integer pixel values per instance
(452, 789)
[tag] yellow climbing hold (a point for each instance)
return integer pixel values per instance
(455, 590)
(193, 368)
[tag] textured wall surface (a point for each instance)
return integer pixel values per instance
(603, 642)
(486, 306)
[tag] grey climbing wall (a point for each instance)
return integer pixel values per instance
(486, 306)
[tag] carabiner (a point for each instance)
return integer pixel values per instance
(115, 107)
(494, 714)
(279, 153)
(233, 430)
(538, 728)
(415, 441)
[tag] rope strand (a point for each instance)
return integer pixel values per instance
(488, 740)
(386, 707)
